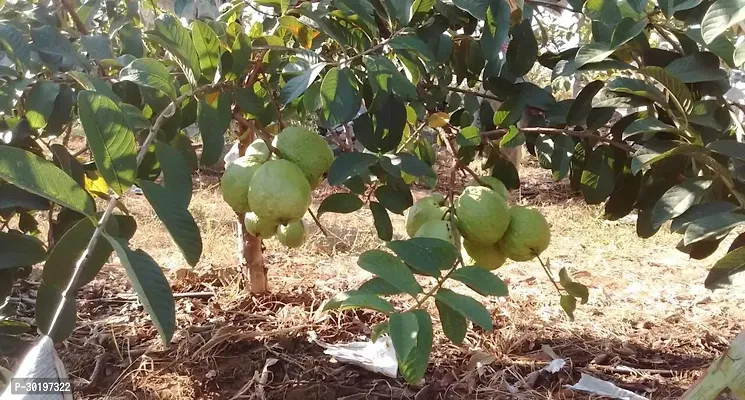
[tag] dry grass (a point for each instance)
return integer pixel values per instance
(648, 310)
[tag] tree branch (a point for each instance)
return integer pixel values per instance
(669, 39)
(67, 4)
(498, 133)
(549, 4)
(370, 50)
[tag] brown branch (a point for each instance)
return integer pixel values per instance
(669, 39)
(586, 134)
(458, 163)
(318, 223)
(74, 15)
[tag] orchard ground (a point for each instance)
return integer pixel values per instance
(650, 325)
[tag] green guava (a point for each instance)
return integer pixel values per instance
(423, 210)
(307, 150)
(258, 151)
(437, 229)
(292, 235)
(260, 227)
(235, 182)
(279, 191)
(489, 257)
(492, 183)
(483, 215)
(527, 236)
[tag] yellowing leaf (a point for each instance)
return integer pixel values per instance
(438, 120)
(272, 129)
(211, 97)
(96, 185)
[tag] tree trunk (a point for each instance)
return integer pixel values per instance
(251, 257)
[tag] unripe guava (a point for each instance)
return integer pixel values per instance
(258, 151)
(279, 191)
(259, 227)
(492, 183)
(235, 182)
(307, 150)
(483, 215)
(489, 257)
(437, 229)
(292, 235)
(423, 210)
(527, 236)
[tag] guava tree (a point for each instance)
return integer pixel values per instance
(94, 67)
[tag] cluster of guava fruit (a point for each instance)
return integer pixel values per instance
(487, 230)
(274, 190)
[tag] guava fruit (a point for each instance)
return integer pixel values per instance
(494, 184)
(292, 235)
(260, 227)
(307, 150)
(423, 210)
(279, 191)
(437, 229)
(483, 215)
(527, 236)
(235, 182)
(489, 257)
(258, 151)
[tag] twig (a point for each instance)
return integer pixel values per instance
(318, 222)
(277, 108)
(440, 281)
(498, 133)
(629, 370)
(458, 163)
(549, 4)
(670, 40)
(81, 151)
(248, 3)
(97, 369)
(74, 15)
(370, 50)
(548, 273)
(133, 297)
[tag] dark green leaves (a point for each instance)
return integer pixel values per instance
(341, 203)
(16, 47)
(110, 139)
(151, 286)
(466, 307)
(150, 73)
(598, 177)
(390, 269)
(426, 255)
(179, 223)
(20, 250)
(720, 275)
(213, 119)
(729, 148)
(403, 329)
(207, 46)
(626, 30)
(384, 76)
(722, 15)
(678, 199)
(170, 34)
(354, 299)
(453, 323)
(419, 340)
(522, 52)
(39, 176)
(176, 173)
(339, 96)
(394, 197)
(712, 226)
(698, 67)
(349, 165)
(40, 103)
(380, 130)
(583, 103)
(494, 36)
(481, 281)
(296, 86)
(98, 47)
(382, 220)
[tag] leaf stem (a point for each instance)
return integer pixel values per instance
(440, 281)
(79, 25)
(368, 51)
(586, 134)
(548, 273)
(458, 163)
(318, 223)
(669, 39)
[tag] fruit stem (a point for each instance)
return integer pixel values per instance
(440, 281)
(458, 163)
(318, 223)
(548, 273)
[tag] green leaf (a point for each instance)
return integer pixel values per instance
(598, 177)
(453, 323)
(678, 91)
(340, 203)
(176, 173)
(699, 211)
(699, 67)
(711, 226)
(468, 136)
(391, 269)
(592, 53)
(151, 286)
(477, 8)
(40, 103)
(561, 157)
(170, 34)
(583, 103)
(340, 98)
(513, 138)
(415, 365)
(98, 47)
(93, 83)
(621, 202)
(413, 166)
(401, 10)
(48, 299)
(16, 47)
(720, 275)
(381, 129)
(378, 330)
(626, 30)
(467, 307)
(647, 125)
(494, 36)
(354, 299)
(637, 87)
(379, 286)
(130, 38)
(395, 198)
(348, 165)
(568, 304)
(605, 11)
(382, 220)
(213, 120)
(739, 55)
(17, 250)
(574, 289)
(177, 220)
(150, 73)
(722, 15)
(110, 139)
(403, 329)
(426, 255)
(41, 177)
(384, 76)
(481, 281)
(55, 49)
(296, 86)
(412, 44)
(522, 51)
(207, 46)
(678, 200)
(728, 147)
(505, 171)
